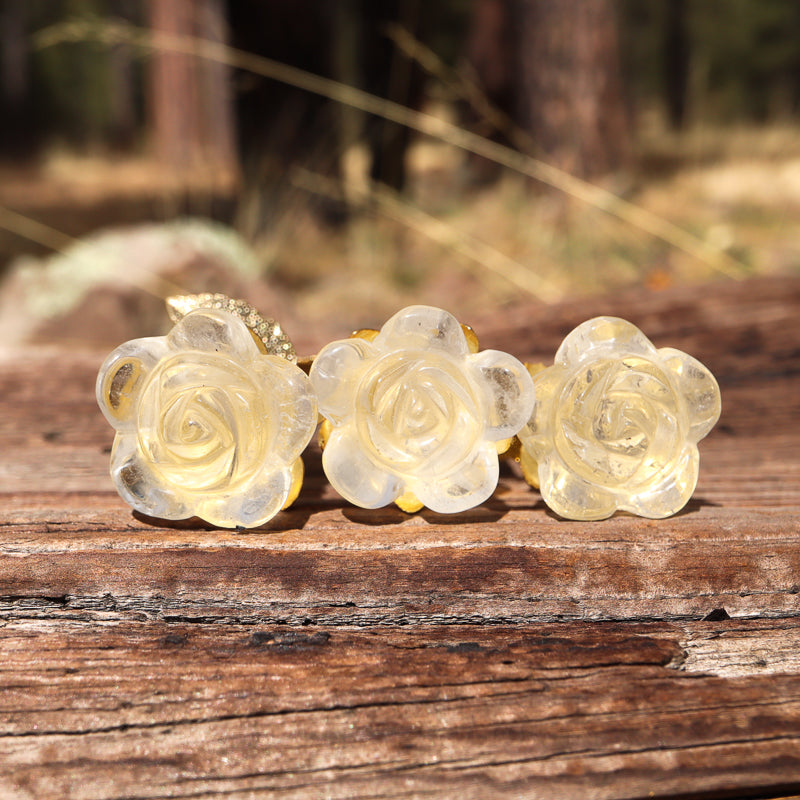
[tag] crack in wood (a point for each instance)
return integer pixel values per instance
(210, 720)
(172, 612)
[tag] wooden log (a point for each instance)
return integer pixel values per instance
(339, 652)
(596, 710)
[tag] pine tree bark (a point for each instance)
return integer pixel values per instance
(172, 87)
(190, 97)
(568, 92)
(489, 65)
(216, 107)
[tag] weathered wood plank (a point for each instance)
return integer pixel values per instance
(344, 667)
(739, 330)
(741, 647)
(67, 536)
(502, 567)
(575, 710)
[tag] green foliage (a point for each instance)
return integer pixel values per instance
(743, 56)
(751, 50)
(76, 80)
(73, 84)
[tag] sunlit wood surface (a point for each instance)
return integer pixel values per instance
(344, 653)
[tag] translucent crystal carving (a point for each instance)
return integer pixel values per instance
(206, 425)
(415, 413)
(616, 424)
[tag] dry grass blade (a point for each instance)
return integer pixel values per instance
(34, 231)
(461, 87)
(473, 249)
(60, 242)
(469, 91)
(116, 33)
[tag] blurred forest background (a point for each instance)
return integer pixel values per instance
(350, 156)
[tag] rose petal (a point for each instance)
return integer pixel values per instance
(536, 435)
(508, 389)
(573, 497)
(671, 493)
(355, 476)
(123, 375)
(214, 331)
(423, 328)
(248, 506)
(140, 486)
(469, 486)
(335, 374)
(699, 389)
(289, 399)
(603, 337)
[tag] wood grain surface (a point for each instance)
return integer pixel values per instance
(339, 652)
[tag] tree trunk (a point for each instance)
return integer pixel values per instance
(172, 87)
(489, 64)
(190, 98)
(569, 91)
(15, 106)
(123, 117)
(216, 112)
(390, 73)
(676, 62)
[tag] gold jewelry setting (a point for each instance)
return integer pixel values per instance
(415, 415)
(211, 419)
(616, 424)
(206, 423)
(268, 334)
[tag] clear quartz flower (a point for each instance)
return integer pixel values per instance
(616, 424)
(415, 412)
(206, 424)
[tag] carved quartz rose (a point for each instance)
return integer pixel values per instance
(414, 413)
(207, 425)
(616, 424)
